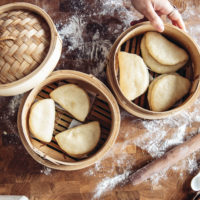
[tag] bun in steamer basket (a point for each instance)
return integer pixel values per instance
(80, 140)
(134, 75)
(164, 51)
(165, 90)
(154, 65)
(41, 119)
(73, 99)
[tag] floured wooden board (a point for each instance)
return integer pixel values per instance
(97, 26)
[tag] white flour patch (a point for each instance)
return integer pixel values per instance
(189, 164)
(10, 114)
(191, 17)
(108, 184)
(73, 31)
(194, 31)
(95, 51)
(191, 11)
(113, 8)
(88, 40)
(160, 135)
(92, 51)
(46, 171)
(156, 178)
(90, 172)
(14, 105)
(119, 158)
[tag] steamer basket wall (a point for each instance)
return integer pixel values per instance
(104, 109)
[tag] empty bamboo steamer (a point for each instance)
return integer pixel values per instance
(104, 109)
(30, 47)
(129, 41)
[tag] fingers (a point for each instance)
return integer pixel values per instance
(151, 9)
(176, 19)
(155, 20)
(138, 21)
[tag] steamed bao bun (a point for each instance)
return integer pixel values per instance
(165, 90)
(134, 75)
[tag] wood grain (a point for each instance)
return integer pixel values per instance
(20, 174)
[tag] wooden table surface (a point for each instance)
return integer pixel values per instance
(98, 23)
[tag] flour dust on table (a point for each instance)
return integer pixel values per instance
(89, 41)
(108, 184)
(47, 171)
(10, 114)
(193, 28)
(155, 138)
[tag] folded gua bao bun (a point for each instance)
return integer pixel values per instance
(154, 65)
(134, 75)
(73, 99)
(164, 51)
(41, 119)
(165, 90)
(80, 140)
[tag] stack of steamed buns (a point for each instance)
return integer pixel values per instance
(76, 142)
(161, 56)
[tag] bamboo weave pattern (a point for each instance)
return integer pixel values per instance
(23, 54)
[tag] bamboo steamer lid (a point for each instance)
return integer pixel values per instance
(30, 47)
(104, 108)
(129, 41)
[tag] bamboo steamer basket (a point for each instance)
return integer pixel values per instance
(103, 109)
(129, 41)
(30, 47)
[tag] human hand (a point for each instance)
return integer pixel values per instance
(153, 9)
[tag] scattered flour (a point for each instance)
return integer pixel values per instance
(157, 144)
(5, 133)
(155, 139)
(123, 8)
(10, 115)
(14, 105)
(73, 30)
(191, 12)
(91, 40)
(191, 16)
(110, 183)
(46, 171)
(156, 178)
(94, 51)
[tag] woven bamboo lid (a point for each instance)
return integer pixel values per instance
(28, 41)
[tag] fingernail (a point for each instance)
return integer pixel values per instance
(161, 27)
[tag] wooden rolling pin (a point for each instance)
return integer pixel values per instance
(176, 154)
